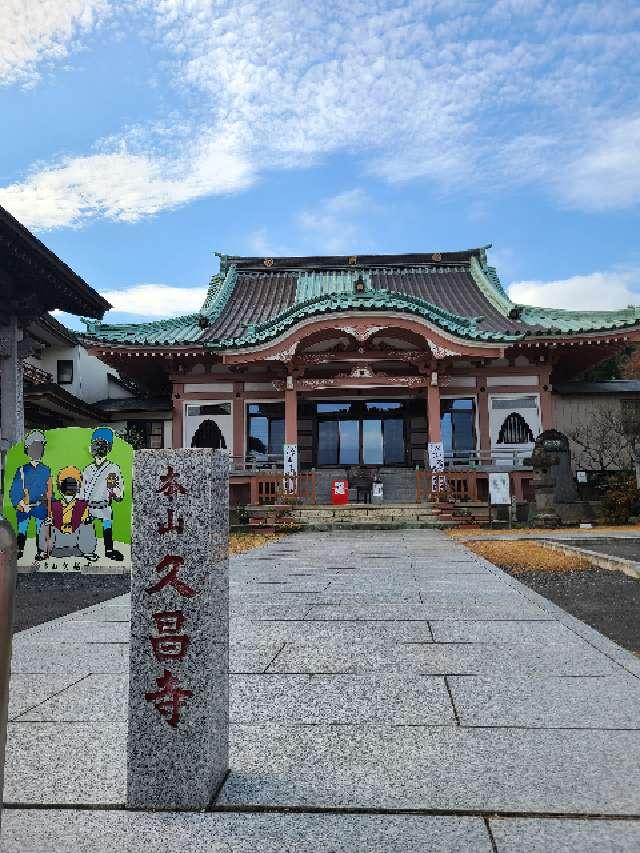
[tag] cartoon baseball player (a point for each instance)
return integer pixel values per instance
(31, 492)
(72, 533)
(101, 485)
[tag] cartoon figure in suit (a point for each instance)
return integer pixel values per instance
(72, 533)
(102, 484)
(31, 491)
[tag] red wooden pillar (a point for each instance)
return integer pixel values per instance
(290, 413)
(483, 413)
(433, 412)
(177, 393)
(238, 415)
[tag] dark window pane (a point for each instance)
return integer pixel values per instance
(65, 371)
(462, 431)
(457, 425)
(276, 438)
(372, 442)
(393, 441)
(383, 406)
(328, 443)
(332, 407)
(446, 429)
(465, 405)
(258, 434)
(209, 409)
(349, 442)
(269, 410)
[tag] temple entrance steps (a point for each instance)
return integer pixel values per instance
(371, 516)
(399, 483)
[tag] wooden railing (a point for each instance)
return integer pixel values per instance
(283, 488)
(468, 485)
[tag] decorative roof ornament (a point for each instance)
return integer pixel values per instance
(439, 352)
(224, 262)
(268, 262)
(437, 257)
(352, 260)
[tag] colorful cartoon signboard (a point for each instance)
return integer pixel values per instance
(68, 494)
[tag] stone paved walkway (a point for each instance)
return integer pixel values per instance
(390, 692)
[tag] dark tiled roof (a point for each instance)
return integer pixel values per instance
(39, 270)
(332, 262)
(256, 300)
(453, 289)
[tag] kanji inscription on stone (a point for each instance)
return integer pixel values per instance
(172, 564)
(168, 698)
(178, 682)
(170, 485)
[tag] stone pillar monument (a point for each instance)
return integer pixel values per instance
(552, 477)
(179, 660)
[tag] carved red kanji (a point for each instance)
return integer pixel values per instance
(169, 484)
(175, 526)
(171, 578)
(169, 698)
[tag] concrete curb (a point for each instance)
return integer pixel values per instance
(602, 561)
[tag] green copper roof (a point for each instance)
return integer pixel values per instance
(311, 285)
(252, 301)
(373, 300)
(176, 330)
(558, 321)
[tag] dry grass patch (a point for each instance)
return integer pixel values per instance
(526, 556)
(241, 542)
(462, 532)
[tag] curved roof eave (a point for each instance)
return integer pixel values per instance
(464, 328)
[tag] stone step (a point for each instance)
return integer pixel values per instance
(359, 513)
(364, 517)
(381, 525)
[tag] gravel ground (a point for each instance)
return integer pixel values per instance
(40, 598)
(608, 601)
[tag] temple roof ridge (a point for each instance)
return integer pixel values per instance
(252, 300)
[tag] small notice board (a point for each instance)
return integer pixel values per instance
(499, 490)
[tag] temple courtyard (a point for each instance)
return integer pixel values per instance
(390, 691)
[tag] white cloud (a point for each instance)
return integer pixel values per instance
(155, 300)
(330, 226)
(607, 174)
(261, 245)
(33, 31)
(125, 186)
(458, 93)
(596, 291)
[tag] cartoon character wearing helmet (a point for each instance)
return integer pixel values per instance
(72, 533)
(31, 491)
(102, 484)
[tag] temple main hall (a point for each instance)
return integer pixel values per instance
(394, 364)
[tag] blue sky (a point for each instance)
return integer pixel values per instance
(146, 134)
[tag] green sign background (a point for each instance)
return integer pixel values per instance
(71, 446)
